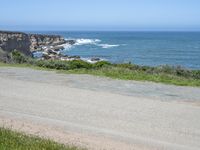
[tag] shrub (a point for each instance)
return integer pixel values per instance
(127, 66)
(18, 57)
(182, 72)
(101, 64)
(61, 65)
(78, 64)
(166, 69)
(196, 74)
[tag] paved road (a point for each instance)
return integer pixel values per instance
(138, 115)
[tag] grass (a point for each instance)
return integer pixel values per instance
(123, 74)
(161, 74)
(11, 140)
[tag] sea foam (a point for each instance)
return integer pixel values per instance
(87, 41)
(107, 45)
(96, 42)
(67, 46)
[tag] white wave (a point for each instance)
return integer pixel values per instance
(87, 41)
(66, 46)
(87, 60)
(107, 45)
(82, 41)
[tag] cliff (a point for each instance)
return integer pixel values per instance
(15, 40)
(38, 41)
(28, 43)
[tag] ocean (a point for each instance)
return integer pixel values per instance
(142, 48)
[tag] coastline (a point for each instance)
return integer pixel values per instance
(141, 48)
(40, 46)
(50, 47)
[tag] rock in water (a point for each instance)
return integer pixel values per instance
(95, 59)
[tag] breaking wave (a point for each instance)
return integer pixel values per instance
(87, 41)
(96, 42)
(67, 46)
(107, 45)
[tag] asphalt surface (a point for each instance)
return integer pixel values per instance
(141, 115)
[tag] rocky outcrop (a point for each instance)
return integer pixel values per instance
(28, 43)
(41, 42)
(15, 40)
(48, 46)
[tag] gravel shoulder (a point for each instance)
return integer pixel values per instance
(100, 113)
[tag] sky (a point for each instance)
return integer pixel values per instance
(97, 15)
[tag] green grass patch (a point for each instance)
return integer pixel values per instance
(11, 140)
(126, 74)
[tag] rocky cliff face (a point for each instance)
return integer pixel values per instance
(39, 42)
(15, 40)
(28, 43)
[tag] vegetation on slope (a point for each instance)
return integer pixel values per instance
(10, 140)
(165, 74)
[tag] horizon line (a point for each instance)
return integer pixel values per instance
(55, 30)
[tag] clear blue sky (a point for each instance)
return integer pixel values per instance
(100, 14)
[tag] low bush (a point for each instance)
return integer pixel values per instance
(101, 64)
(196, 74)
(79, 64)
(18, 57)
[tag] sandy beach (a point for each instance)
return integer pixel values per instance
(100, 113)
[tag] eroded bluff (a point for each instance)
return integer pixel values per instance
(28, 43)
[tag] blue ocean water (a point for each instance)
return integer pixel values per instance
(143, 48)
